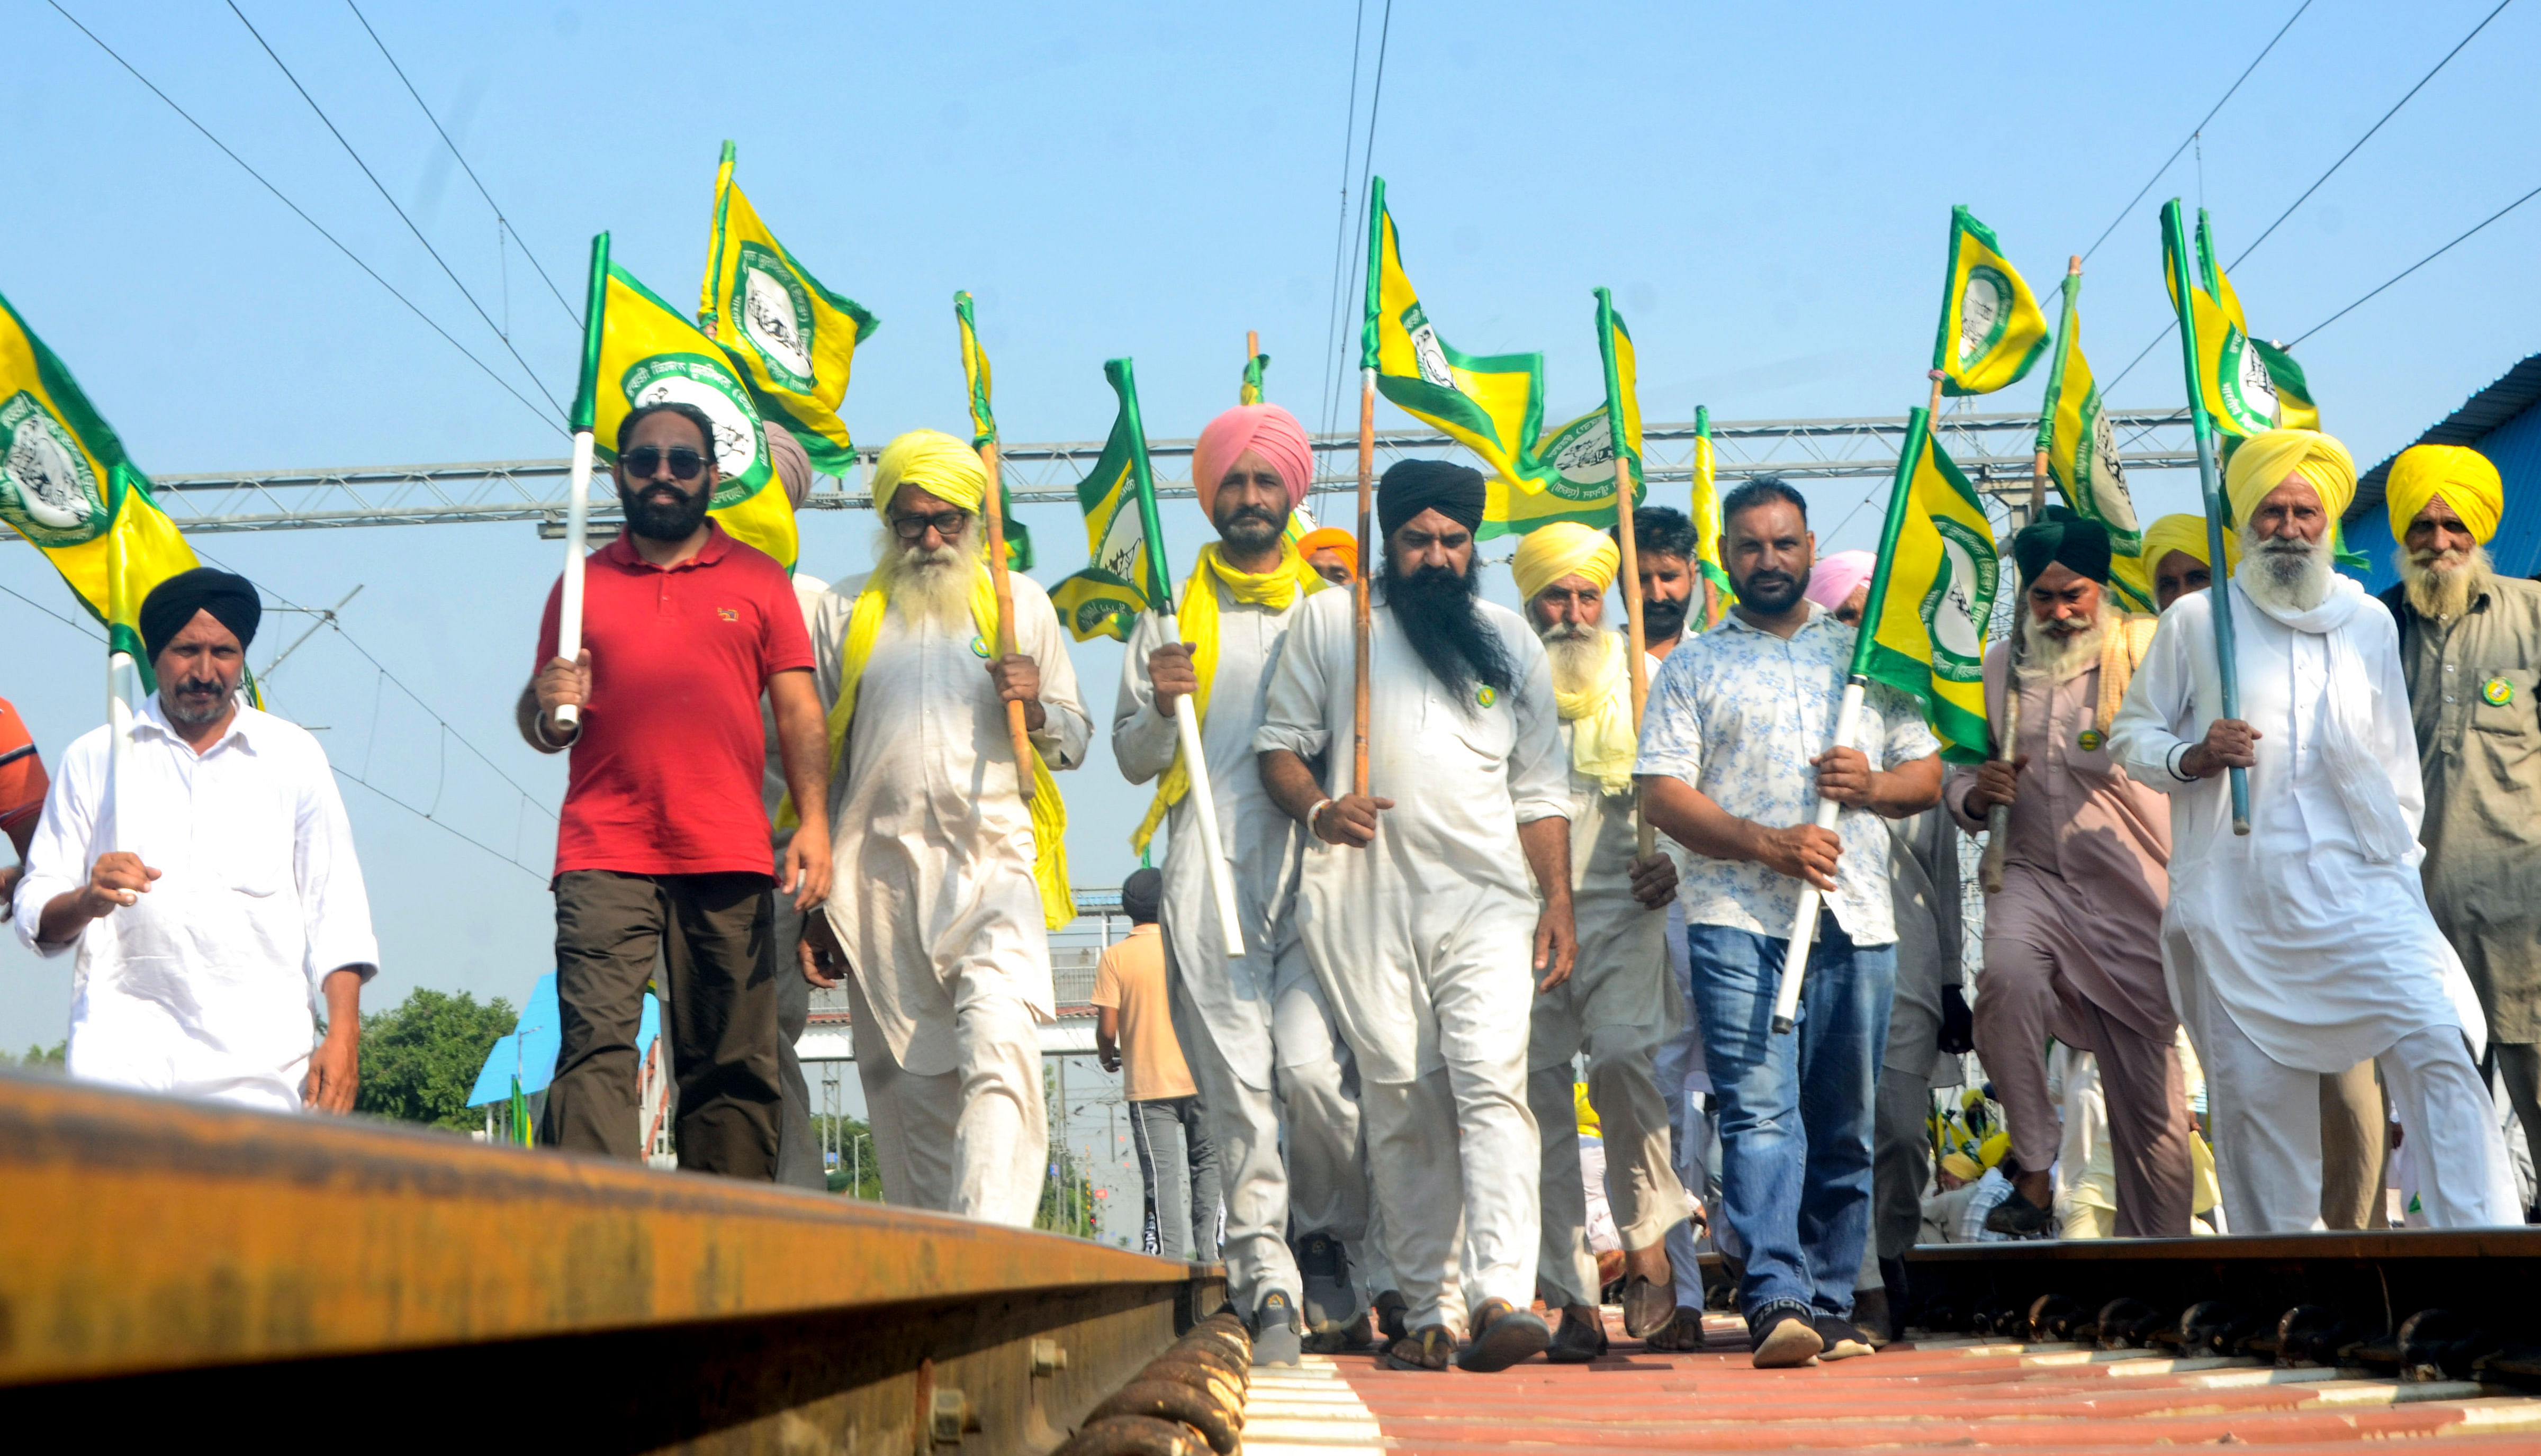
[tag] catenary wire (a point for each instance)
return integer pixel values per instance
(2413, 267)
(1341, 224)
(385, 195)
(297, 211)
(2369, 132)
(1376, 96)
(2195, 131)
(89, 632)
(444, 134)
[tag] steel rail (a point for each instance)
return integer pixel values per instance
(166, 1256)
(1797, 449)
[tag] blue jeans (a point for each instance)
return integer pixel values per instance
(1797, 1111)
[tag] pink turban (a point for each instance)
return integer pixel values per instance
(1266, 428)
(1833, 578)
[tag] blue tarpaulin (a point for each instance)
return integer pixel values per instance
(529, 1051)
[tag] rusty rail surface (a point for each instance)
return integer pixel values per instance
(174, 1262)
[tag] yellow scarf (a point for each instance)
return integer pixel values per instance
(1049, 812)
(1276, 589)
(1603, 746)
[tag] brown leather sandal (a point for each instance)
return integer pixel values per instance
(1427, 1349)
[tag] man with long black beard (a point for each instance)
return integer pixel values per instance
(2072, 942)
(2304, 945)
(663, 840)
(1618, 1006)
(2470, 644)
(1418, 903)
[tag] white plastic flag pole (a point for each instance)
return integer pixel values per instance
(1795, 960)
(577, 526)
(122, 680)
(1221, 876)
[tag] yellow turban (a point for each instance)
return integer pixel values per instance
(2186, 534)
(1564, 549)
(2261, 463)
(2463, 476)
(1962, 1167)
(935, 463)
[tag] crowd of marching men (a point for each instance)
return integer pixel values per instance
(1382, 993)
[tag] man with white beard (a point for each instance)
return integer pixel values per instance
(948, 875)
(2072, 945)
(1619, 1004)
(2470, 646)
(2306, 944)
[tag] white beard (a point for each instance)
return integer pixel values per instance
(2445, 590)
(2060, 658)
(930, 585)
(1576, 654)
(2291, 576)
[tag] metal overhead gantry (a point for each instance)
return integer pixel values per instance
(1994, 450)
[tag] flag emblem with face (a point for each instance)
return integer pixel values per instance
(693, 379)
(775, 312)
(47, 492)
(1983, 314)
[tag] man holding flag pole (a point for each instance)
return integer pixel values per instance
(1248, 1012)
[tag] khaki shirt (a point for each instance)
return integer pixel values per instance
(2481, 761)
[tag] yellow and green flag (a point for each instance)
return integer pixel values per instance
(1992, 330)
(1250, 390)
(66, 486)
(1119, 497)
(1492, 405)
(2248, 385)
(2082, 454)
(794, 340)
(976, 377)
(1578, 459)
(1704, 509)
(637, 350)
(1931, 598)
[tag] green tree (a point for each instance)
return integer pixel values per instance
(420, 1058)
(40, 1058)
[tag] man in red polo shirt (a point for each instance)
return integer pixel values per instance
(663, 844)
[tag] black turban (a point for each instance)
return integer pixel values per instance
(1415, 486)
(1142, 895)
(229, 598)
(2058, 536)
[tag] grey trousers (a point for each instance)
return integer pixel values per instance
(798, 1148)
(2518, 1065)
(1180, 1172)
(1901, 1160)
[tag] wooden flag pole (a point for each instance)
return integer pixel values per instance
(1369, 547)
(1636, 645)
(992, 517)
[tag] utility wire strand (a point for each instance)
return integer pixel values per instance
(385, 195)
(463, 161)
(1341, 224)
(2413, 267)
(296, 211)
(2376, 126)
(89, 632)
(2195, 131)
(440, 825)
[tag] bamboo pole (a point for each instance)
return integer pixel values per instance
(992, 516)
(1636, 645)
(1369, 547)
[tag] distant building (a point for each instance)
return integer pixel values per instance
(2499, 422)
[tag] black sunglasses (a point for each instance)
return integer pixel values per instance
(946, 524)
(644, 460)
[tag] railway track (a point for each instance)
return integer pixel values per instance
(173, 1269)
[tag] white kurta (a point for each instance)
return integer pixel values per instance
(932, 868)
(2322, 955)
(204, 986)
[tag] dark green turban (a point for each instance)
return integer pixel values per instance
(2061, 536)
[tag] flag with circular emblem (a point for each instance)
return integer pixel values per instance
(2082, 454)
(1119, 498)
(67, 489)
(794, 340)
(1578, 460)
(637, 350)
(1992, 330)
(2248, 384)
(1931, 597)
(980, 382)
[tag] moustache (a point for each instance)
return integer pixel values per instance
(201, 687)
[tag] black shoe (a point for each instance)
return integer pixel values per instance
(1389, 1316)
(1580, 1338)
(1783, 1339)
(1843, 1340)
(2019, 1217)
(1277, 1339)
(1871, 1316)
(1331, 1300)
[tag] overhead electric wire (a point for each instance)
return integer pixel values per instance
(1341, 224)
(389, 197)
(89, 632)
(1376, 98)
(2196, 131)
(2376, 126)
(2413, 267)
(463, 161)
(297, 211)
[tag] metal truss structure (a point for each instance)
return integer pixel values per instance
(1994, 450)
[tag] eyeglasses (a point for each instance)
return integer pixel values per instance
(945, 524)
(644, 460)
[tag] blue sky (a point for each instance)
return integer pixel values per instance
(1766, 187)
